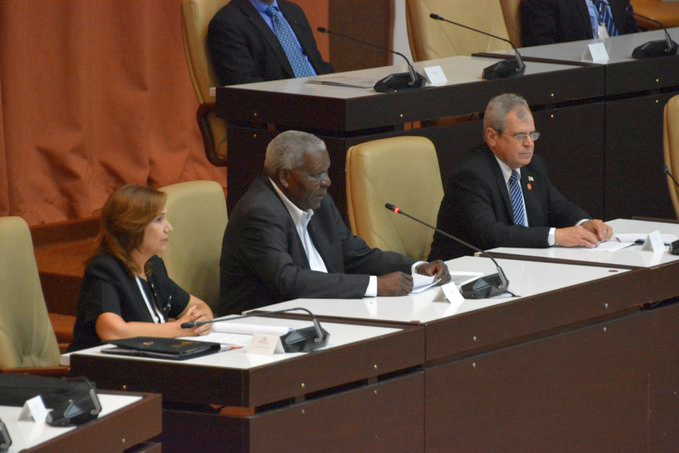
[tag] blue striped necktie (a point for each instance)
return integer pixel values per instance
(516, 196)
(605, 17)
(298, 61)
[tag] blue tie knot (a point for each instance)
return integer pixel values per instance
(271, 11)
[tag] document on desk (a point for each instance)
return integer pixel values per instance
(227, 340)
(249, 329)
(609, 246)
(641, 237)
(422, 283)
(343, 81)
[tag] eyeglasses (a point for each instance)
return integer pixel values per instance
(523, 136)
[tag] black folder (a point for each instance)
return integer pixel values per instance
(162, 348)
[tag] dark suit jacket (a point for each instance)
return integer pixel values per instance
(243, 48)
(476, 207)
(109, 287)
(263, 261)
(551, 21)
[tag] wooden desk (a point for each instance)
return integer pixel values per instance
(125, 423)
(367, 385)
(567, 367)
(345, 116)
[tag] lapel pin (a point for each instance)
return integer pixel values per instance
(531, 179)
(529, 186)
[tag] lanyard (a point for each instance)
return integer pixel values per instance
(155, 314)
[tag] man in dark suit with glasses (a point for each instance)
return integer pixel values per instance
(500, 194)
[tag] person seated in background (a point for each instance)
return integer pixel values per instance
(286, 239)
(126, 291)
(552, 21)
(257, 40)
(501, 196)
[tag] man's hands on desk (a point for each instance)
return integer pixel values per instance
(400, 284)
(587, 234)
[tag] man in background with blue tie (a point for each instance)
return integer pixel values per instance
(257, 40)
(500, 194)
(552, 21)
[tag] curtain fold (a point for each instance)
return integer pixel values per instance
(93, 94)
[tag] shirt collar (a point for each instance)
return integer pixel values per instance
(299, 217)
(261, 6)
(506, 171)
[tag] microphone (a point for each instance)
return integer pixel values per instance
(657, 48)
(392, 82)
(481, 288)
(298, 340)
(502, 69)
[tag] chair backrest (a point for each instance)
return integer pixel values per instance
(671, 147)
(197, 15)
(26, 336)
(400, 170)
(197, 212)
(512, 13)
(431, 39)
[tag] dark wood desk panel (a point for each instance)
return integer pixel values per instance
(119, 431)
(293, 378)
(641, 75)
(664, 395)
(383, 417)
(585, 390)
(537, 316)
(387, 416)
(634, 157)
(239, 103)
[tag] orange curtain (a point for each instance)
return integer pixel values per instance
(93, 94)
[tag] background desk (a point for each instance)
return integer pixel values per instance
(601, 124)
(636, 92)
(125, 422)
(344, 117)
(363, 392)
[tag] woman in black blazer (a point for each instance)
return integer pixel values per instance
(126, 291)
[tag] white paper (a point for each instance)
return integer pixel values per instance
(423, 282)
(598, 52)
(453, 295)
(34, 409)
(462, 278)
(609, 246)
(265, 344)
(634, 237)
(654, 243)
(225, 339)
(249, 329)
(436, 75)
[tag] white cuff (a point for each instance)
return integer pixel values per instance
(371, 290)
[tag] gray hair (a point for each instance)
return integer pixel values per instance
(286, 151)
(500, 106)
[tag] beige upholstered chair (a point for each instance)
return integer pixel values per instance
(197, 212)
(197, 15)
(403, 171)
(671, 145)
(431, 39)
(511, 10)
(26, 336)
